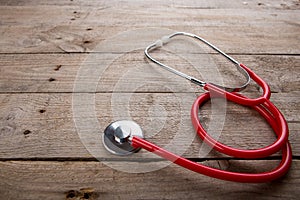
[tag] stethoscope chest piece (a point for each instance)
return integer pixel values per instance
(117, 137)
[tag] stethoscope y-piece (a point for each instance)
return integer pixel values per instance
(125, 137)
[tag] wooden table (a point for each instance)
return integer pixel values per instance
(43, 45)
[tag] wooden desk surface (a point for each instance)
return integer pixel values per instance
(42, 46)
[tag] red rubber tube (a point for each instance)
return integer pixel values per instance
(231, 96)
(265, 108)
(281, 131)
(278, 172)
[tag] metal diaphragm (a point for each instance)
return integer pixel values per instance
(118, 135)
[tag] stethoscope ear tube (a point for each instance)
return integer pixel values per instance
(166, 39)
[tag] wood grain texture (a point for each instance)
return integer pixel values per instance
(74, 180)
(53, 133)
(191, 4)
(58, 72)
(67, 28)
(50, 54)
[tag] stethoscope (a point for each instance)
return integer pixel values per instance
(125, 137)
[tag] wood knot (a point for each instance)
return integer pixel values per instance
(57, 67)
(51, 79)
(83, 193)
(42, 110)
(26, 132)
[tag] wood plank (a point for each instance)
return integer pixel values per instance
(42, 125)
(57, 72)
(68, 28)
(200, 4)
(94, 180)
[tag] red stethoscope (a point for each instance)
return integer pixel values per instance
(125, 137)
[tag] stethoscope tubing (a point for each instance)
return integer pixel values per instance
(266, 110)
(278, 172)
(264, 107)
(231, 96)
